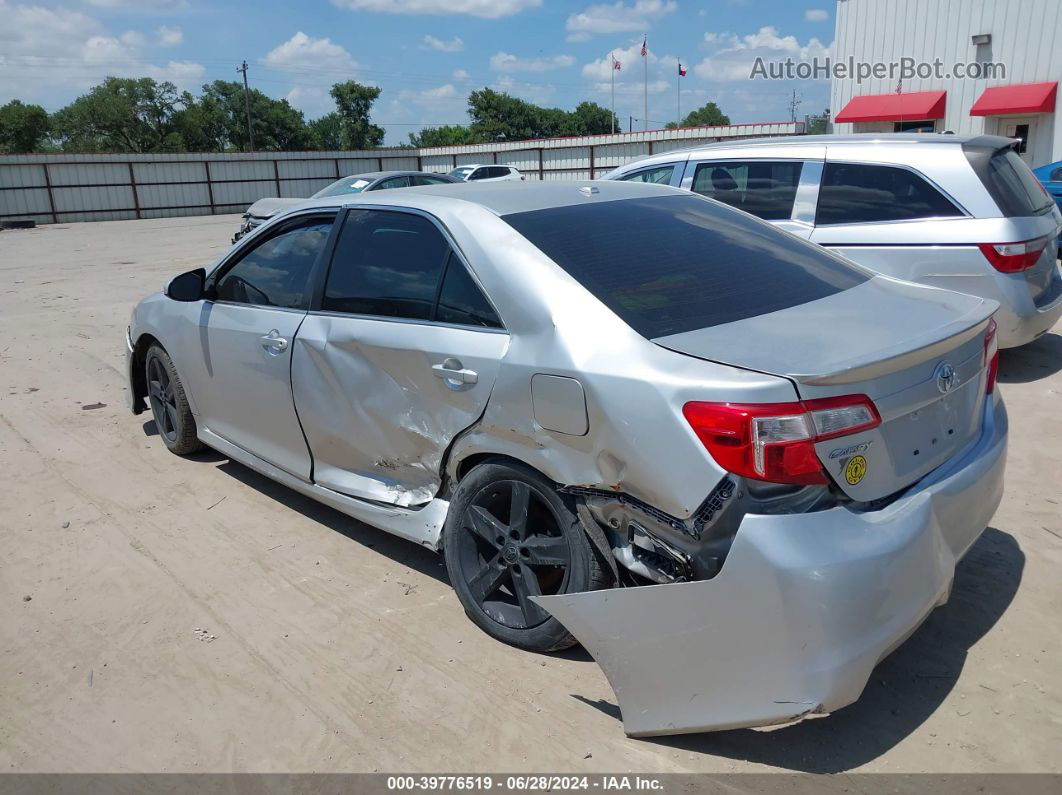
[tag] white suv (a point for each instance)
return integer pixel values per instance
(478, 173)
(960, 212)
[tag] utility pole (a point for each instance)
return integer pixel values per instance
(794, 103)
(247, 105)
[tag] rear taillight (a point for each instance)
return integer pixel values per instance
(775, 442)
(991, 356)
(1014, 257)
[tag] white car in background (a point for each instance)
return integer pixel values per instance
(481, 173)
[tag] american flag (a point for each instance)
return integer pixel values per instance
(616, 65)
(645, 50)
(682, 72)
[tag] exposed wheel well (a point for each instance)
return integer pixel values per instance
(474, 460)
(139, 380)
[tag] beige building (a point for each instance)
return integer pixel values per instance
(984, 66)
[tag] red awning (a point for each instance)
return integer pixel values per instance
(1005, 100)
(894, 107)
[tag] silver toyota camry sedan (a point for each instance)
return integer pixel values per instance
(736, 467)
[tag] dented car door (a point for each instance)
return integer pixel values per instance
(400, 357)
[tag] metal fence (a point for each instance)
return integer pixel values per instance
(62, 188)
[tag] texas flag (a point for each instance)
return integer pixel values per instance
(617, 65)
(682, 70)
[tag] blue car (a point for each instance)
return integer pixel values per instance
(1050, 177)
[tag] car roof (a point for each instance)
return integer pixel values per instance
(867, 139)
(375, 175)
(500, 198)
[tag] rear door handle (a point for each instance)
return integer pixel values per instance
(274, 341)
(452, 371)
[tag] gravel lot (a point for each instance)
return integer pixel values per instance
(167, 614)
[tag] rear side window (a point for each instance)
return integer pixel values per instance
(766, 189)
(854, 193)
(461, 301)
(661, 175)
(1013, 185)
(670, 264)
(386, 263)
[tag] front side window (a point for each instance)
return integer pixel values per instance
(480, 173)
(854, 193)
(670, 264)
(277, 271)
(765, 188)
(661, 175)
(386, 263)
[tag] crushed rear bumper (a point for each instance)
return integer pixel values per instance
(803, 609)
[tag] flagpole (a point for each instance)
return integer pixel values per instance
(645, 63)
(613, 73)
(678, 96)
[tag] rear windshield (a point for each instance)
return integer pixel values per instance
(670, 264)
(1013, 185)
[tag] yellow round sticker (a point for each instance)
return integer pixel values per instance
(855, 470)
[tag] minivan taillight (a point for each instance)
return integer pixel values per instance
(1014, 257)
(775, 442)
(991, 356)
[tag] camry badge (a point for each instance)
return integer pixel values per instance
(946, 377)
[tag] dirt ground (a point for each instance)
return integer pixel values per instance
(167, 614)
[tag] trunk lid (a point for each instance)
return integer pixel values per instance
(893, 341)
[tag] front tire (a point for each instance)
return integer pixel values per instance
(169, 404)
(509, 536)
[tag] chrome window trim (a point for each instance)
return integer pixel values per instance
(857, 162)
(455, 250)
(806, 200)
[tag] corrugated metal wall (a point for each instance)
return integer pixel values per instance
(62, 188)
(1025, 37)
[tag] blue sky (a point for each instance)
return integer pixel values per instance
(426, 55)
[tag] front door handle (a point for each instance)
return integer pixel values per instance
(453, 372)
(274, 342)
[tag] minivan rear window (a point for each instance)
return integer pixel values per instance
(670, 264)
(1013, 185)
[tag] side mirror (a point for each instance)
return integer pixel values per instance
(188, 286)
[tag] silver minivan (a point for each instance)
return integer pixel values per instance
(959, 212)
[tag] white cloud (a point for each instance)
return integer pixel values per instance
(453, 45)
(50, 55)
(631, 66)
(139, 4)
(505, 62)
(429, 96)
(488, 9)
(461, 74)
(538, 93)
(618, 17)
(303, 53)
(816, 15)
(168, 36)
(734, 55)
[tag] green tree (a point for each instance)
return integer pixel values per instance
(818, 123)
(499, 117)
(353, 106)
(446, 135)
(201, 126)
(23, 128)
(121, 114)
(707, 115)
(277, 125)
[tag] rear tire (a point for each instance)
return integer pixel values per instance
(169, 403)
(509, 535)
